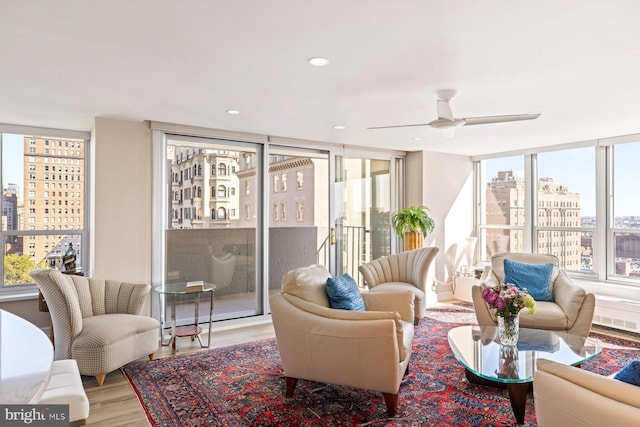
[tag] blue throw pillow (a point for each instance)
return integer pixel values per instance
(535, 277)
(343, 293)
(630, 373)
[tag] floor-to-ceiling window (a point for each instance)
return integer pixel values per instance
(212, 221)
(299, 232)
(44, 202)
(364, 205)
(502, 194)
(579, 204)
(240, 211)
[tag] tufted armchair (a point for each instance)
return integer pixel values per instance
(98, 322)
(361, 349)
(403, 271)
(571, 310)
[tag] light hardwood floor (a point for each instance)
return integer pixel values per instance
(114, 404)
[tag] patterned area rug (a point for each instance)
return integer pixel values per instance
(242, 385)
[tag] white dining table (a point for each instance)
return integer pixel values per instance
(26, 357)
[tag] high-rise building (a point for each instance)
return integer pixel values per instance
(11, 218)
(53, 195)
(557, 207)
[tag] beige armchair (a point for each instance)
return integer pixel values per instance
(361, 349)
(571, 310)
(403, 271)
(570, 397)
(98, 322)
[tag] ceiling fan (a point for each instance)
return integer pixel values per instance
(447, 123)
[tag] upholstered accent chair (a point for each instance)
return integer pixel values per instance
(571, 397)
(403, 271)
(361, 349)
(570, 311)
(98, 322)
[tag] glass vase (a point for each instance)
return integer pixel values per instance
(508, 328)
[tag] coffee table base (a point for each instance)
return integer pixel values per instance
(517, 392)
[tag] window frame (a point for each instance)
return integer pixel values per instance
(604, 230)
(30, 231)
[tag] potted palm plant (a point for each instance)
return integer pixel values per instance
(412, 224)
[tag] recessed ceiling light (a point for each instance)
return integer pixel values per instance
(233, 112)
(417, 138)
(339, 127)
(318, 61)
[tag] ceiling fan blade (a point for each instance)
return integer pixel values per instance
(499, 119)
(399, 126)
(444, 110)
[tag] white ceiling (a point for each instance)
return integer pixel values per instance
(62, 63)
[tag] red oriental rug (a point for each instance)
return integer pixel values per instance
(242, 385)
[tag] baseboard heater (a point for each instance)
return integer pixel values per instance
(617, 313)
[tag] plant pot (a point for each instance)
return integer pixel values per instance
(412, 240)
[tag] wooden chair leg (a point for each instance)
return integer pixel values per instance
(100, 378)
(291, 385)
(151, 356)
(392, 404)
(416, 321)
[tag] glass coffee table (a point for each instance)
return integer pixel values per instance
(487, 362)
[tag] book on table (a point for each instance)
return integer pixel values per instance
(196, 286)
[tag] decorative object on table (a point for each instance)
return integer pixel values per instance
(508, 300)
(69, 258)
(508, 362)
(413, 224)
(195, 286)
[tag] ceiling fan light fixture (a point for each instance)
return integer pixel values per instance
(318, 61)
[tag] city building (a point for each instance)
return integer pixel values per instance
(558, 208)
(53, 197)
(11, 207)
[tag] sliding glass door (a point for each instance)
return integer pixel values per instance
(241, 214)
(298, 204)
(214, 216)
(363, 194)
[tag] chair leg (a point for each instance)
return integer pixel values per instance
(151, 356)
(291, 385)
(392, 404)
(416, 321)
(100, 378)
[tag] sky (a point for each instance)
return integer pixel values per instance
(13, 161)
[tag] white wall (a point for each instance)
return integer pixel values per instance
(122, 196)
(445, 186)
